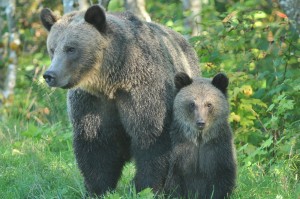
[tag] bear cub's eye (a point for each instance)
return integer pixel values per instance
(69, 49)
(52, 51)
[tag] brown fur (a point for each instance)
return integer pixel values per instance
(119, 72)
(203, 163)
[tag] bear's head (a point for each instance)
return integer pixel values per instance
(200, 106)
(75, 44)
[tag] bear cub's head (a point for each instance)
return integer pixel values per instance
(200, 106)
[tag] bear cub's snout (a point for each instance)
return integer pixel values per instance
(200, 124)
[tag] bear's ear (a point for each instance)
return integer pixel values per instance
(181, 80)
(95, 15)
(221, 82)
(48, 18)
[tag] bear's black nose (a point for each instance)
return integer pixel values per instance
(49, 77)
(200, 124)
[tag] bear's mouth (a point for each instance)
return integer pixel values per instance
(200, 125)
(68, 86)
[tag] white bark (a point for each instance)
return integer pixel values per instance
(70, 5)
(14, 42)
(104, 3)
(83, 4)
(3, 3)
(138, 8)
(192, 22)
(292, 10)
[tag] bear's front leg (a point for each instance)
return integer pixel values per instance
(146, 117)
(220, 166)
(100, 144)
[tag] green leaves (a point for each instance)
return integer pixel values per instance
(260, 53)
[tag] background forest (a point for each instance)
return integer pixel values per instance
(255, 42)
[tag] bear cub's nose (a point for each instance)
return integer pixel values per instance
(200, 124)
(49, 77)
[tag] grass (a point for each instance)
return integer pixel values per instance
(278, 182)
(45, 167)
(33, 168)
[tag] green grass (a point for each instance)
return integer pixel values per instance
(278, 182)
(45, 167)
(32, 168)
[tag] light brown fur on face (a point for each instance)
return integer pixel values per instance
(203, 162)
(202, 93)
(72, 30)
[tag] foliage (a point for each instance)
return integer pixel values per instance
(260, 53)
(251, 41)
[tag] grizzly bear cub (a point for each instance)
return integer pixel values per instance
(203, 163)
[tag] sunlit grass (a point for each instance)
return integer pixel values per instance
(278, 182)
(29, 169)
(33, 168)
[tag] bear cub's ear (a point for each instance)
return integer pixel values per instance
(221, 82)
(181, 80)
(95, 15)
(48, 18)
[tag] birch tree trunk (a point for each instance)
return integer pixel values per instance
(70, 5)
(292, 10)
(104, 3)
(138, 8)
(14, 42)
(192, 22)
(83, 4)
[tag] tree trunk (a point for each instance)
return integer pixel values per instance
(104, 3)
(14, 42)
(292, 10)
(71, 5)
(138, 8)
(83, 4)
(192, 22)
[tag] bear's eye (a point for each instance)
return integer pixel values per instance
(192, 106)
(52, 51)
(209, 105)
(70, 49)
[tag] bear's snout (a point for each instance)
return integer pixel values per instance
(49, 77)
(200, 124)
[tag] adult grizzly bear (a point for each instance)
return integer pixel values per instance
(203, 163)
(120, 73)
